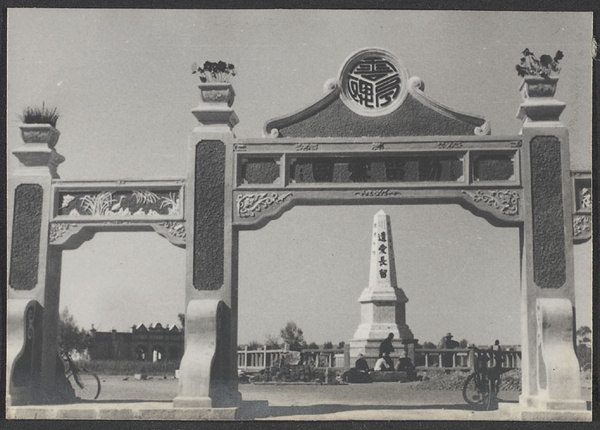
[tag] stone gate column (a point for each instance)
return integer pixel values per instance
(208, 372)
(550, 367)
(33, 269)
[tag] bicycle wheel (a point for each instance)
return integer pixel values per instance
(472, 392)
(86, 384)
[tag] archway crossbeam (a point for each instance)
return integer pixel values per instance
(80, 209)
(480, 173)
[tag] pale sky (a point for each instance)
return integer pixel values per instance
(122, 81)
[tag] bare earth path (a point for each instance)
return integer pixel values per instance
(377, 401)
(127, 398)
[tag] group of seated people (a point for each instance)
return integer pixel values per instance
(361, 372)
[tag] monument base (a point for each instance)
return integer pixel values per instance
(370, 349)
(380, 331)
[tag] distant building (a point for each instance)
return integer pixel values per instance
(152, 343)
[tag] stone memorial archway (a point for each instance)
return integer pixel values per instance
(374, 138)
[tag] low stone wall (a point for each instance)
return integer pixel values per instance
(296, 373)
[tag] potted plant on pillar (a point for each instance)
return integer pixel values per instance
(39, 125)
(540, 78)
(216, 93)
(40, 136)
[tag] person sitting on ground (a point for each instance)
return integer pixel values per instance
(382, 363)
(359, 373)
(405, 364)
(361, 364)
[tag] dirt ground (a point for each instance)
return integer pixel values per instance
(115, 388)
(128, 398)
(378, 393)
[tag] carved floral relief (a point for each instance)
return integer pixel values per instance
(506, 201)
(175, 229)
(582, 226)
(59, 229)
(120, 203)
(249, 204)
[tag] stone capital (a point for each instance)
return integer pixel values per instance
(37, 155)
(215, 108)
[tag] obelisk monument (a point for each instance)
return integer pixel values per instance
(382, 303)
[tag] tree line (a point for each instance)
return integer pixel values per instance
(71, 338)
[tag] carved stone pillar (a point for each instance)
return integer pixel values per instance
(550, 368)
(210, 379)
(33, 269)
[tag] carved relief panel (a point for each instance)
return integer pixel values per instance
(81, 209)
(582, 211)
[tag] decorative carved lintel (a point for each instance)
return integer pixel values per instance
(134, 203)
(377, 146)
(377, 193)
(175, 228)
(506, 201)
(58, 230)
(582, 227)
(306, 147)
(249, 204)
(449, 145)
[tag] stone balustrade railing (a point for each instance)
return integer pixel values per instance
(460, 358)
(425, 359)
(258, 359)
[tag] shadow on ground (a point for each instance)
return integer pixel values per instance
(252, 410)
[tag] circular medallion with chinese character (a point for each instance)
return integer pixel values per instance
(373, 82)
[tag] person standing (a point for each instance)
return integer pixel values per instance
(448, 343)
(385, 350)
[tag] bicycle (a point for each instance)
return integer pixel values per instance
(86, 384)
(481, 387)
